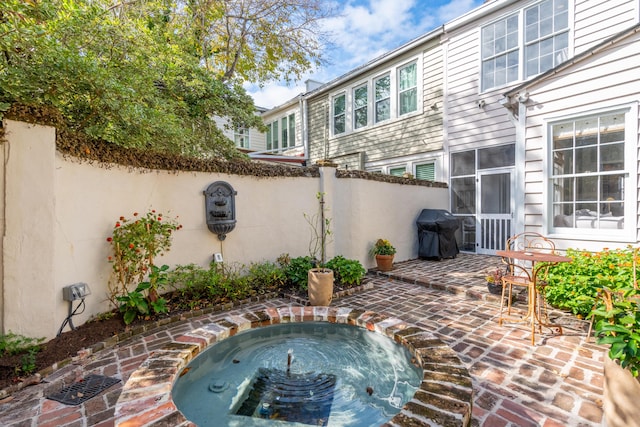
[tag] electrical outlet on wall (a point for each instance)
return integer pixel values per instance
(217, 257)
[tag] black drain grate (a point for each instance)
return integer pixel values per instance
(83, 390)
(303, 398)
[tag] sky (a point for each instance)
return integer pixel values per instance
(364, 30)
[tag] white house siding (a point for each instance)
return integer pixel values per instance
(417, 133)
(587, 86)
(276, 114)
(596, 20)
(256, 138)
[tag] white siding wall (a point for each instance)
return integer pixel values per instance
(586, 87)
(596, 20)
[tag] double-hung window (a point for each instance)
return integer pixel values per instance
(590, 174)
(382, 90)
(360, 107)
(408, 88)
(546, 36)
(241, 137)
(543, 43)
(339, 114)
(500, 51)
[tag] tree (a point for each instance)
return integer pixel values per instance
(137, 73)
(260, 40)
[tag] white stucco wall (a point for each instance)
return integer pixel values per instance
(59, 213)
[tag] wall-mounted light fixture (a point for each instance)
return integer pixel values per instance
(481, 104)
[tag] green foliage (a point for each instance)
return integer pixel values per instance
(152, 74)
(135, 243)
(134, 303)
(125, 74)
(617, 324)
(12, 344)
(382, 247)
(574, 285)
(265, 277)
(347, 271)
(297, 271)
(27, 362)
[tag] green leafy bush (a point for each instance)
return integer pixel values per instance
(617, 324)
(297, 271)
(265, 277)
(574, 285)
(347, 271)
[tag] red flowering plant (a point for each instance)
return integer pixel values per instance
(135, 243)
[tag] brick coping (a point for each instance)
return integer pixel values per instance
(444, 397)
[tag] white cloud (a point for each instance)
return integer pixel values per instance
(273, 95)
(364, 30)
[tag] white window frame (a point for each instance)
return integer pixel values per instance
(377, 100)
(342, 114)
(356, 107)
(413, 88)
(241, 137)
(626, 234)
(521, 49)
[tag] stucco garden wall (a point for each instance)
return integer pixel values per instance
(58, 213)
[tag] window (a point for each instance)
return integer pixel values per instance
(589, 173)
(500, 52)
(292, 130)
(360, 107)
(544, 41)
(398, 171)
(382, 87)
(285, 132)
(241, 137)
(269, 136)
(339, 111)
(426, 171)
(275, 135)
(546, 36)
(408, 89)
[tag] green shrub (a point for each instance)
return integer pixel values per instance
(266, 277)
(617, 324)
(297, 271)
(574, 285)
(347, 272)
(12, 344)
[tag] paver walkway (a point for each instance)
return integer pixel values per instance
(557, 382)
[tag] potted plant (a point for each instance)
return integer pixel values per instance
(383, 251)
(494, 281)
(320, 278)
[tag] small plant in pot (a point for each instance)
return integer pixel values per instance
(494, 281)
(383, 251)
(320, 278)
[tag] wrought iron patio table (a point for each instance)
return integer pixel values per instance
(538, 261)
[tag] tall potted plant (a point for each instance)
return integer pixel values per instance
(320, 278)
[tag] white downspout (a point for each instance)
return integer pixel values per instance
(519, 121)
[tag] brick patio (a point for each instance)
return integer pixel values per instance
(558, 382)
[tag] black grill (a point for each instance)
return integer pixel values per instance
(436, 234)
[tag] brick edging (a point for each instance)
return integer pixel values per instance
(445, 395)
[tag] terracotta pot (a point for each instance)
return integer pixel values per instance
(384, 262)
(621, 395)
(320, 286)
